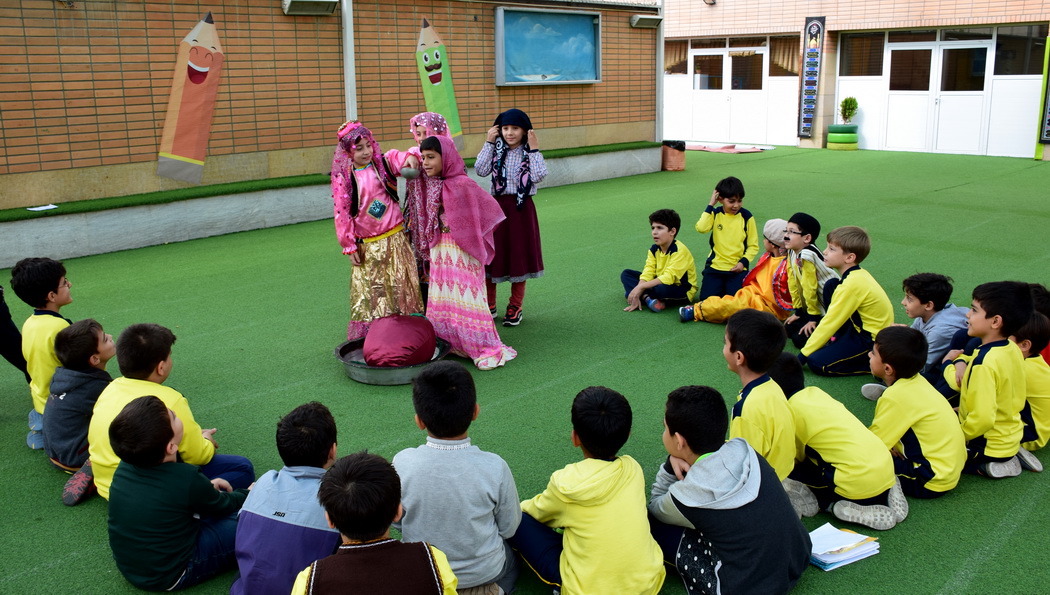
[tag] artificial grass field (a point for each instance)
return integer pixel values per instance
(258, 314)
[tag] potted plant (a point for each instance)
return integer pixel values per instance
(843, 137)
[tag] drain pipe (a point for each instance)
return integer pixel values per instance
(658, 133)
(349, 67)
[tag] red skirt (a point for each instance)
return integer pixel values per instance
(518, 255)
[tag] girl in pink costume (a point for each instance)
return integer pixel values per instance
(370, 228)
(455, 222)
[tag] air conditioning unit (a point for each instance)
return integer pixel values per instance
(645, 21)
(309, 7)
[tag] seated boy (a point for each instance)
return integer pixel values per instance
(670, 273)
(807, 276)
(722, 503)
(600, 503)
(144, 357)
(455, 495)
(753, 340)
(858, 308)
(912, 419)
(361, 496)
(1032, 338)
(1041, 304)
(840, 466)
(281, 527)
(734, 240)
(991, 381)
(765, 287)
(170, 527)
(41, 283)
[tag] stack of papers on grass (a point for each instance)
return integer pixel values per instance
(837, 547)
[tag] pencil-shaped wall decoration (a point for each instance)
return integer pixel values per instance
(436, 78)
(184, 142)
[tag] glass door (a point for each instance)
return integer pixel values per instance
(960, 100)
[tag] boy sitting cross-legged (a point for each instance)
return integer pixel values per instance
(840, 466)
(722, 503)
(1032, 338)
(144, 356)
(455, 495)
(753, 340)
(282, 527)
(807, 277)
(606, 546)
(670, 273)
(912, 419)
(361, 495)
(170, 527)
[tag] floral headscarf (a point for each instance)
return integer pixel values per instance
(433, 122)
(343, 160)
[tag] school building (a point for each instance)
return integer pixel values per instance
(939, 76)
(85, 85)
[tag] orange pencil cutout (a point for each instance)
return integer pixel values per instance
(194, 88)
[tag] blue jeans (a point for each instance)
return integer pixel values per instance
(233, 468)
(214, 552)
(540, 547)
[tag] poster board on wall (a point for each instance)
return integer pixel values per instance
(547, 47)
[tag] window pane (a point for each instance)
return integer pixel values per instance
(707, 72)
(701, 44)
(971, 34)
(676, 55)
(862, 54)
(784, 55)
(910, 70)
(747, 70)
(1019, 50)
(904, 36)
(963, 69)
(747, 42)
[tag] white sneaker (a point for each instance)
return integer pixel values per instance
(876, 516)
(898, 503)
(999, 470)
(1028, 460)
(872, 391)
(802, 498)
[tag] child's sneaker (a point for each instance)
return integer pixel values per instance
(876, 516)
(685, 314)
(513, 316)
(802, 498)
(80, 487)
(872, 391)
(1028, 461)
(654, 304)
(999, 470)
(492, 311)
(898, 503)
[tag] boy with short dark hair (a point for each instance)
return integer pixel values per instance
(455, 495)
(1031, 339)
(600, 502)
(807, 276)
(42, 284)
(170, 527)
(144, 356)
(912, 419)
(361, 495)
(282, 527)
(840, 466)
(753, 340)
(991, 380)
(722, 503)
(858, 308)
(734, 240)
(669, 275)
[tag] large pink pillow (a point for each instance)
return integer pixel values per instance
(398, 341)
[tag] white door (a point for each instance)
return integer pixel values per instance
(710, 101)
(729, 95)
(747, 97)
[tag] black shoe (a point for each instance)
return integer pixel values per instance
(512, 317)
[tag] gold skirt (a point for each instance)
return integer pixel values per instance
(386, 283)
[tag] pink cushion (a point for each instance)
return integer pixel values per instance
(397, 341)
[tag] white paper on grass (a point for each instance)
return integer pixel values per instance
(42, 208)
(827, 539)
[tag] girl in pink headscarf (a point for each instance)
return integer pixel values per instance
(370, 228)
(454, 225)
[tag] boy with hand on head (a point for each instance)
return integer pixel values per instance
(753, 340)
(455, 495)
(765, 287)
(722, 503)
(282, 527)
(807, 276)
(670, 272)
(361, 496)
(1031, 339)
(734, 239)
(170, 527)
(840, 466)
(912, 419)
(144, 357)
(42, 284)
(991, 380)
(858, 308)
(600, 503)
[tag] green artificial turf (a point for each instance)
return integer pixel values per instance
(258, 315)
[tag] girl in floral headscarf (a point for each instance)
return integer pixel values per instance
(370, 228)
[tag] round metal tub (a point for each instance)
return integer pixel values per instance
(350, 353)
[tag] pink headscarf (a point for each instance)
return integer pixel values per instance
(470, 213)
(343, 160)
(433, 122)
